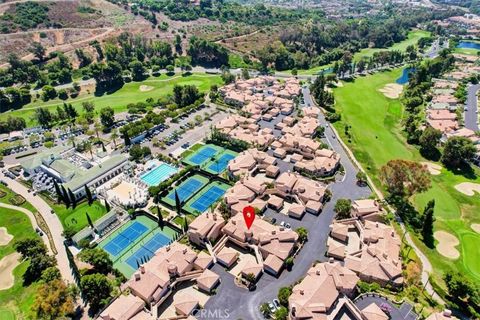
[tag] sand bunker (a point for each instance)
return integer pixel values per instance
(446, 244)
(5, 237)
(392, 90)
(144, 88)
(468, 188)
(7, 264)
(475, 227)
(433, 168)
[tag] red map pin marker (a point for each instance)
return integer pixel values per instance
(249, 216)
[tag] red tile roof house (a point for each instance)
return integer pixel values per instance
(171, 264)
(324, 163)
(205, 228)
(316, 296)
(367, 209)
(250, 161)
(246, 191)
(270, 240)
(306, 192)
(377, 260)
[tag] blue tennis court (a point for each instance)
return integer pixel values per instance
(187, 189)
(203, 155)
(221, 163)
(207, 198)
(125, 237)
(148, 249)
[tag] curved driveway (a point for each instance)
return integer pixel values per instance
(52, 221)
(232, 302)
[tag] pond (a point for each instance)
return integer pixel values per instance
(405, 76)
(469, 45)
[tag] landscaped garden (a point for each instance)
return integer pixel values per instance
(375, 136)
(76, 218)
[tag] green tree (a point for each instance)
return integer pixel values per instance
(96, 289)
(265, 310)
(54, 300)
(98, 258)
(458, 150)
(427, 228)
(50, 274)
(281, 313)
(343, 208)
(283, 295)
(89, 220)
(405, 178)
(302, 234)
(361, 177)
(161, 223)
(429, 140)
(58, 192)
(38, 50)
(44, 117)
(107, 117)
(72, 198)
(107, 206)
(66, 197)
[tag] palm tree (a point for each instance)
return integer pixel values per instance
(72, 141)
(114, 136)
(98, 126)
(88, 147)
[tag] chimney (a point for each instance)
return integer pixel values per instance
(274, 232)
(167, 248)
(447, 313)
(376, 224)
(317, 272)
(142, 269)
(234, 222)
(137, 276)
(385, 255)
(331, 260)
(184, 251)
(302, 292)
(214, 217)
(393, 233)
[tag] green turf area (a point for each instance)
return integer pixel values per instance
(180, 220)
(170, 198)
(472, 52)
(77, 218)
(158, 87)
(376, 137)
(205, 192)
(412, 39)
(16, 301)
(119, 261)
(190, 150)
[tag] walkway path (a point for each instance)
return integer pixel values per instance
(52, 221)
(471, 115)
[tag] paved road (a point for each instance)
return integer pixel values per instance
(239, 303)
(52, 221)
(471, 115)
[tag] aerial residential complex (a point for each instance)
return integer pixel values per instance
(253, 159)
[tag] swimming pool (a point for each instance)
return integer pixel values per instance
(219, 165)
(207, 198)
(159, 174)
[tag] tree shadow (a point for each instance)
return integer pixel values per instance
(432, 155)
(464, 170)
(109, 88)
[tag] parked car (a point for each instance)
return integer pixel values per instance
(276, 303)
(271, 307)
(288, 226)
(282, 224)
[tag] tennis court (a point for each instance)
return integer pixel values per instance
(125, 238)
(208, 196)
(203, 155)
(186, 189)
(147, 250)
(219, 165)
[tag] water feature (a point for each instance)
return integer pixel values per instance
(469, 45)
(405, 76)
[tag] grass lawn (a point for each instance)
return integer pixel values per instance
(412, 38)
(376, 138)
(130, 93)
(236, 61)
(77, 218)
(16, 301)
(469, 51)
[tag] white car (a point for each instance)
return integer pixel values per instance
(282, 224)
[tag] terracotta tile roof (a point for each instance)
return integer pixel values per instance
(123, 308)
(373, 312)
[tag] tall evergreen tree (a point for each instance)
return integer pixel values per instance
(107, 206)
(178, 203)
(185, 225)
(89, 195)
(58, 192)
(427, 228)
(90, 223)
(72, 198)
(66, 197)
(160, 218)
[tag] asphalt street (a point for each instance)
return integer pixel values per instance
(471, 113)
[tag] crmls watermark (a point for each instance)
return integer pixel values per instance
(211, 314)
